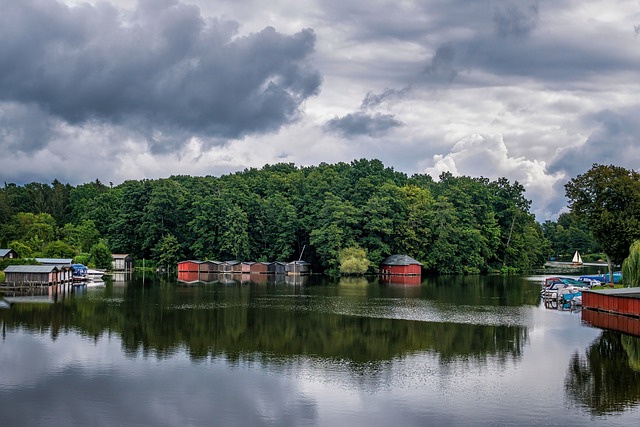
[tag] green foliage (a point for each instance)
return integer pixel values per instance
(22, 249)
(167, 252)
(83, 258)
(353, 261)
(59, 249)
(608, 199)
(101, 255)
(631, 266)
(457, 225)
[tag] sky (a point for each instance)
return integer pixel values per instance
(534, 91)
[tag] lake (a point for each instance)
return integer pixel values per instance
(152, 351)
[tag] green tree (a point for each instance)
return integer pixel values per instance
(168, 252)
(353, 261)
(608, 199)
(631, 266)
(59, 249)
(82, 236)
(101, 255)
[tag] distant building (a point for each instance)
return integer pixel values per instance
(400, 265)
(190, 266)
(8, 254)
(260, 268)
(297, 268)
(55, 261)
(277, 267)
(122, 262)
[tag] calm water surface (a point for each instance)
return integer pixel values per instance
(451, 351)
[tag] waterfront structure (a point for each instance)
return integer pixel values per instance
(38, 274)
(122, 262)
(8, 254)
(400, 265)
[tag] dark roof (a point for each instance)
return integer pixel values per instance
(30, 269)
(399, 260)
(4, 252)
(55, 261)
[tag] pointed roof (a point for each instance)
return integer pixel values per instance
(400, 260)
(4, 252)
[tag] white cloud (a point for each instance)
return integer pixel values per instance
(532, 91)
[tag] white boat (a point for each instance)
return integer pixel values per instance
(577, 259)
(95, 275)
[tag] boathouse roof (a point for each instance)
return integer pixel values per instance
(30, 268)
(400, 260)
(5, 252)
(55, 261)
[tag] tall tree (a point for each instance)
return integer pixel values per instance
(608, 198)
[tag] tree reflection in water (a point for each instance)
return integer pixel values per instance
(607, 379)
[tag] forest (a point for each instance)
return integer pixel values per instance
(281, 212)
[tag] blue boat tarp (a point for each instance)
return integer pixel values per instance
(79, 269)
(604, 278)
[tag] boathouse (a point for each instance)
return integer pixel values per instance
(122, 262)
(616, 309)
(8, 254)
(260, 268)
(277, 267)
(246, 266)
(55, 261)
(190, 265)
(297, 268)
(400, 265)
(38, 274)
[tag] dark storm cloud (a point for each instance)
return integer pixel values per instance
(515, 19)
(163, 68)
(615, 141)
(23, 128)
(441, 65)
(359, 123)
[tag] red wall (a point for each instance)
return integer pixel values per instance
(188, 266)
(600, 319)
(401, 270)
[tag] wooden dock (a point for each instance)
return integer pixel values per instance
(616, 309)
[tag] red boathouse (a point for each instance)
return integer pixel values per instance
(400, 265)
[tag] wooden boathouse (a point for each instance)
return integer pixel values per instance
(122, 262)
(41, 275)
(400, 265)
(617, 309)
(297, 268)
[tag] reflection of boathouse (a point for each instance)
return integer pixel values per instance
(400, 265)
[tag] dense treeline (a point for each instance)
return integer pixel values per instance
(453, 225)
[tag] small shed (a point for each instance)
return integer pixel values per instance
(122, 262)
(38, 274)
(8, 254)
(277, 267)
(260, 268)
(190, 265)
(231, 266)
(211, 266)
(400, 265)
(246, 266)
(297, 268)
